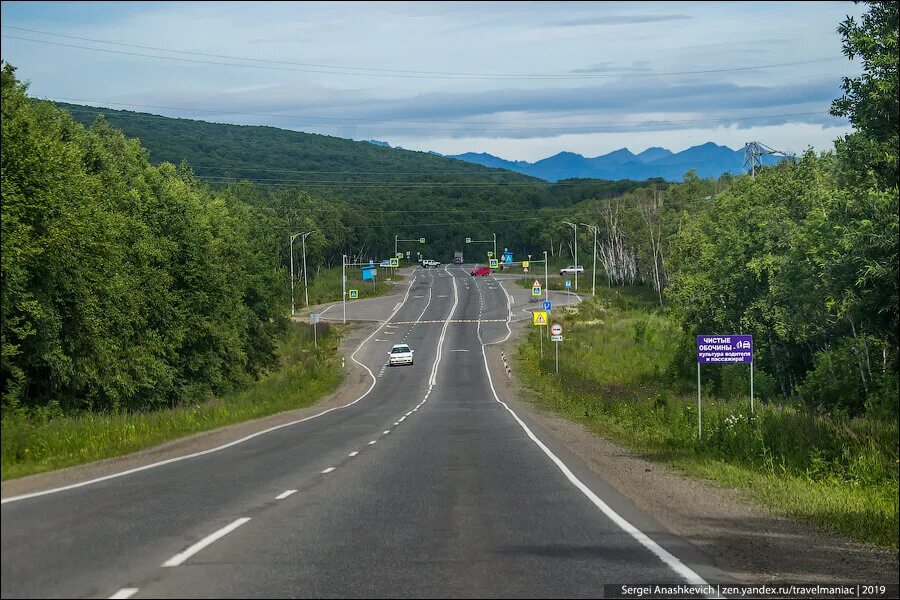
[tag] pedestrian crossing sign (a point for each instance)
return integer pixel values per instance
(395, 262)
(354, 294)
(536, 288)
(539, 318)
(494, 263)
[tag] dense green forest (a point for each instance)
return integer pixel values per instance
(130, 282)
(357, 195)
(804, 256)
(124, 285)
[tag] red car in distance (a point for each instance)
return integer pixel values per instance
(480, 271)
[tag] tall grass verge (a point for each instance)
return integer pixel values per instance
(42, 441)
(325, 285)
(837, 472)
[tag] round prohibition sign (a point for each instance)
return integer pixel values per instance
(556, 329)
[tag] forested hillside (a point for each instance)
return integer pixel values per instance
(271, 155)
(373, 192)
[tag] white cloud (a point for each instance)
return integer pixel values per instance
(456, 37)
(782, 137)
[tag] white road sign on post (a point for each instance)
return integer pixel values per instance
(556, 336)
(314, 320)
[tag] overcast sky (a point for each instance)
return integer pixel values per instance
(519, 80)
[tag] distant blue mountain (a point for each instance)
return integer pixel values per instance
(651, 154)
(708, 160)
(489, 160)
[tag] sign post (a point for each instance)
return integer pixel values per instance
(723, 349)
(314, 319)
(344, 285)
(540, 319)
(556, 335)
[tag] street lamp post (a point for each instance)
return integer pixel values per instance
(305, 281)
(546, 279)
(575, 229)
(594, 262)
(293, 237)
(344, 284)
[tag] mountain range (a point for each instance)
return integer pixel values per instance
(708, 160)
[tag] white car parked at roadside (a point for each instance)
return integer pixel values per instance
(571, 270)
(400, 354)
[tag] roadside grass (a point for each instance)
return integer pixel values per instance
(325, 286)
(33, 445)
(827, 469)
(557, 282)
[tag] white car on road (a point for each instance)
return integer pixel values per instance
(430, 264)
(400, 354)
(571, 270)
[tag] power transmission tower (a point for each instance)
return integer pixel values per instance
(754, 153)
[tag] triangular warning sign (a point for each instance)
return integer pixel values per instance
(536, 283)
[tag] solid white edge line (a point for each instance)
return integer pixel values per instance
(285, 494)
(192, 550)
(664, 555)
(236, 442)
(124, 593)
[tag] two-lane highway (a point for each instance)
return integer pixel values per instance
(428, 485)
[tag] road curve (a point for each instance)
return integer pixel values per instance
(429, 486)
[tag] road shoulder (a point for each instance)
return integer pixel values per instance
(748, 542)
(356, 381)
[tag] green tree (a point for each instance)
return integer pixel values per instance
(870, 101)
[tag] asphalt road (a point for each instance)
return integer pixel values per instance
(428, 486)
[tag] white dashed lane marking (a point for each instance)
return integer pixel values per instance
(285, 494)
(354, 453)
(124, 593)
(328, 470)
(192, 550)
